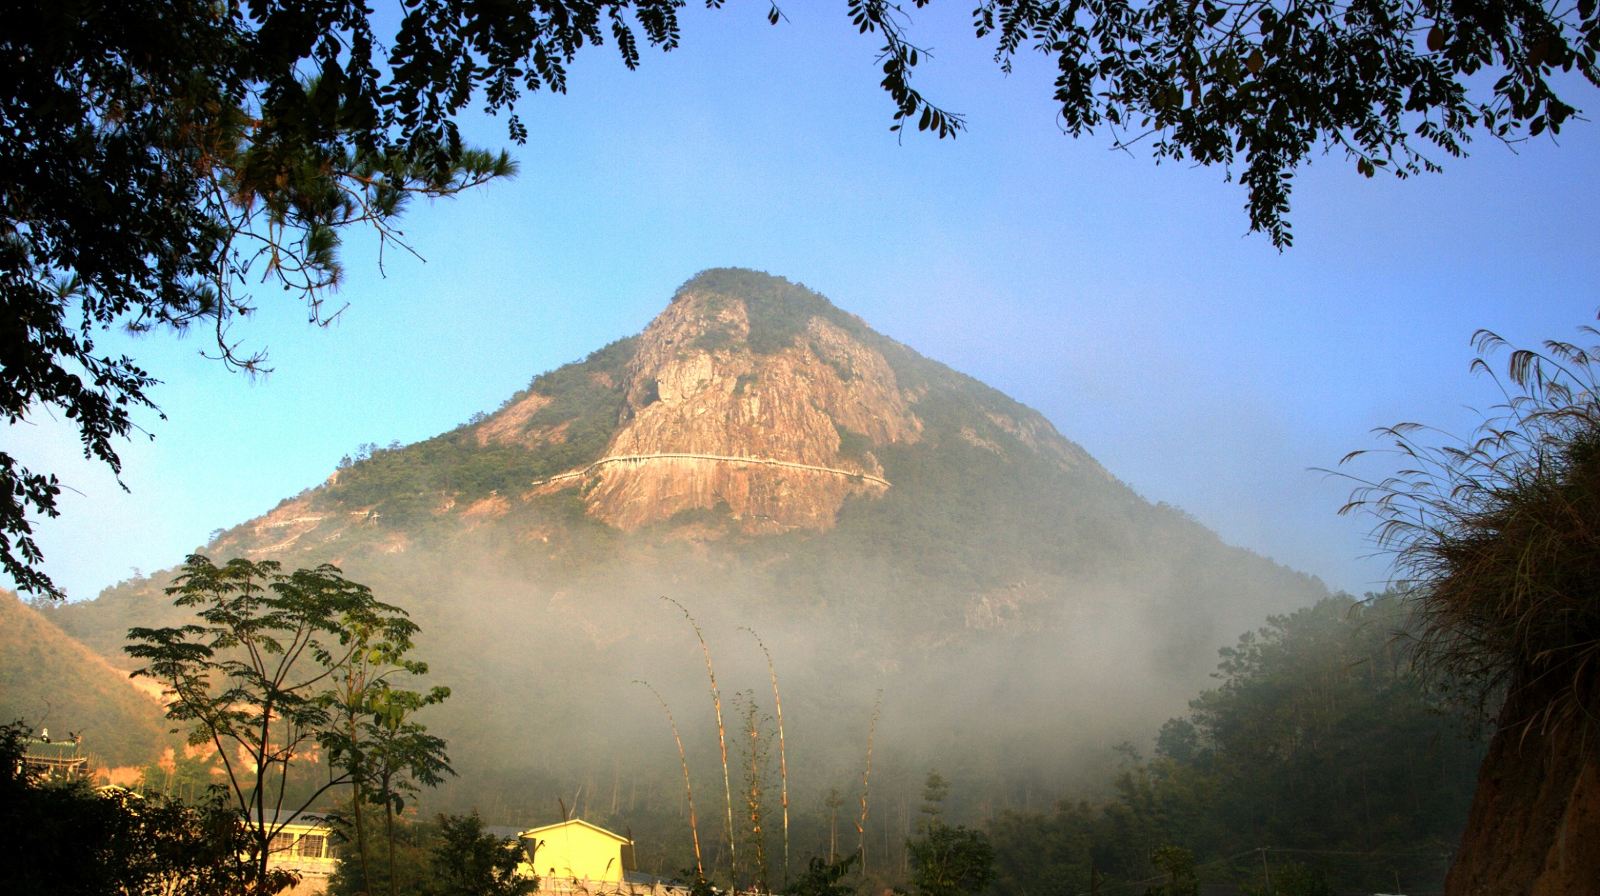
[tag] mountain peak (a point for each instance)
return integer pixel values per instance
(749, 398)
(776, 311)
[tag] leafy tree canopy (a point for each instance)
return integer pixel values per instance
(469, 861)
(160, 154)
(277, 663)
(950, 861)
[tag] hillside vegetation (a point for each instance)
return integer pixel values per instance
(49, 680)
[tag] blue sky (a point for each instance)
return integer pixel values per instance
(1122, 299)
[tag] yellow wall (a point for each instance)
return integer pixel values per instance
(577, 850)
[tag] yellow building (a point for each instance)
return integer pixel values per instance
(577, 852)
(304, 846)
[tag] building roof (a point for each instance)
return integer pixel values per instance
(544, 829)
(503, 831)
(281, 817)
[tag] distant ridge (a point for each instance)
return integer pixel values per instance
(51, 681)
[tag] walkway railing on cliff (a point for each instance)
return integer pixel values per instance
(723, 458)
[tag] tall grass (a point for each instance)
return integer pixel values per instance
(1497, 537)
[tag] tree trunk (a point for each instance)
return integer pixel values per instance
(1534, 825)
(388, 835)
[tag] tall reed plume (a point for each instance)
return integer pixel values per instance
(722, 736)
(688, 789)
(783, 760)
(758, 756)
(1495, 537)
(866, 778)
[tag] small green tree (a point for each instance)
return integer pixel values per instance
(403, 756)
(1176, 865)
(470, 862)
(934, 790)
(1292, 879)
(386, 753)
(257, 676)
(950, 861)
(824, 878)
(833, 802)
(406, 864)
(757, 761)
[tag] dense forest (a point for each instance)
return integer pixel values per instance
(1320, 750)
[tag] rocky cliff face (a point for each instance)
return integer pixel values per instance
(780, 440)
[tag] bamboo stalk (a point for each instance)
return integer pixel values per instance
(722, 737)
(783, 761)
(688, 789)
(866, 778)
(755, 781)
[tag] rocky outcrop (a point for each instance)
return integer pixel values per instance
(511, 423)
(779, 440)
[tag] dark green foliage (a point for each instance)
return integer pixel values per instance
(824, 878)
(186, 778)
(934, 791)
(853, 445)
(778, 310)
(580, 392)
(374, 736)
(62, 838)
(406, 486)
(1176, 865)
(407, 854)
(466, 861)
(945, 860)
(1320, 742)
(950, 861)
(1265, 86)
(1291, 879)
(699, 886)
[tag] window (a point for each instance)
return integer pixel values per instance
(312, 846)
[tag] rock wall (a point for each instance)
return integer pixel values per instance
(695, 387)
